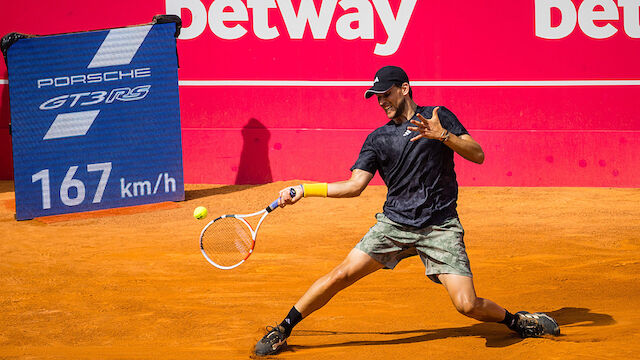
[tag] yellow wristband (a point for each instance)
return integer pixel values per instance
(315, 190)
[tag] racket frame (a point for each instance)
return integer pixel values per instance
(254, 233)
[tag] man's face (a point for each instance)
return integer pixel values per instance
(392, 102)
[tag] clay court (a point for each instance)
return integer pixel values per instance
(131, 283)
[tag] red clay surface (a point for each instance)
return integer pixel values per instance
(133, 285)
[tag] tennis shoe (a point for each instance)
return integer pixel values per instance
(535, 325)
(273, 342)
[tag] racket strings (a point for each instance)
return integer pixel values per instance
(227, 241)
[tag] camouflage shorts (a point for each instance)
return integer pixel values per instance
(441, 248)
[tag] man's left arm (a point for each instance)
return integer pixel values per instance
(466, 147)
(464, 144)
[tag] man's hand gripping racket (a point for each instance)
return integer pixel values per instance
(228, 241)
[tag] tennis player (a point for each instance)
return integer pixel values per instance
(414, 154)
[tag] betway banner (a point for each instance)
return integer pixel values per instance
(273, 89)
(226, 18)
(434, 40)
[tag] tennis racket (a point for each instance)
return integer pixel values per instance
(228, 241)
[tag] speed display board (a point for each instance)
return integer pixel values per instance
(95, 120)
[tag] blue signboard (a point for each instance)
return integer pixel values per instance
(95, 120)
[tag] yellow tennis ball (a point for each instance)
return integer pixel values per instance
(200, 212)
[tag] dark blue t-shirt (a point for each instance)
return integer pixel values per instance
(421, 181)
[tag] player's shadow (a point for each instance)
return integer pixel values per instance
(496, 335)
(218, 190)
(254, 167)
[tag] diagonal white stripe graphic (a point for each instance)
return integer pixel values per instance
(120, 46)
(71, 124)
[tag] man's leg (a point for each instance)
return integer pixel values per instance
(463, 296)
(356, 266)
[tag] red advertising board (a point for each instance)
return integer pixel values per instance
(273, 89)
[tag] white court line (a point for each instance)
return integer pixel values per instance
(418, 83)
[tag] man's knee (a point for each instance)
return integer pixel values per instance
(465, 305)
(340, 276)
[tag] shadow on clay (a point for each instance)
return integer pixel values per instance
(496, 335)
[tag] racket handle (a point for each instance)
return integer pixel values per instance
(274, 205)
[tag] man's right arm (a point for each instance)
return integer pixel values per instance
(341, 189)
(352, 187)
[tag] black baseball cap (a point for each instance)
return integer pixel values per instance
(385, 78)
